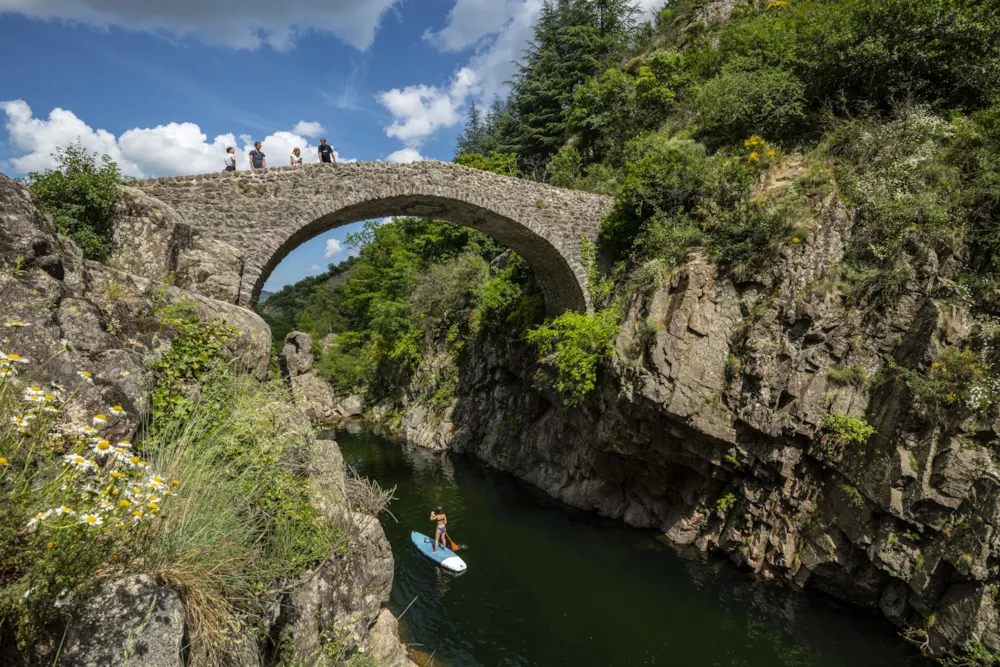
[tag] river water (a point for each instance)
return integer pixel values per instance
(549, 586)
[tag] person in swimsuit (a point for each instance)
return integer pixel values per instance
(442, 527)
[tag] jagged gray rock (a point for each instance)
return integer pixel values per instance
(131, 621)
(313, 395)
(386, 647)
(153, 241)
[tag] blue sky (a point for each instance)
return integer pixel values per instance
(163, 87)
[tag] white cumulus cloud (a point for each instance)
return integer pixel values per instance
(308, 128)
(165, 150)
(420, 111)
(404, 155)
(471, 20)
(333, 248)
(315, 268)
(242, 24)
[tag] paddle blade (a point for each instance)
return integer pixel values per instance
(454, 547)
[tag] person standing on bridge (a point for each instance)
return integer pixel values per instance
(257, 158)
(325, 152)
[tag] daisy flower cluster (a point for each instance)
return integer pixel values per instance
(106, 484)
(99, 482)
(9, 363)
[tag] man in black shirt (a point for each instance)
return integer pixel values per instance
(326, 152)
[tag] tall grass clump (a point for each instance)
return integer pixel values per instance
(243, 526)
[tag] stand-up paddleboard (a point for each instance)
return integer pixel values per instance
(444, 557)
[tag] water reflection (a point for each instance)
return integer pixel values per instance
(551, 586)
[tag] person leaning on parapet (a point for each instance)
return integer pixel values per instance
(230, 159)
(325, 152)
(257, 158)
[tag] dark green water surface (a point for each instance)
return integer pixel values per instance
(548, 585)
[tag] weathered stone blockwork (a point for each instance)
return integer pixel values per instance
(268, 214)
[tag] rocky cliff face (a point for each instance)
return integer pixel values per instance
(79, 316)
(708, 426)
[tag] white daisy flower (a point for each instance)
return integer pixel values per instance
(76, 461)
(16, 359)
(86, 376)
(100, 420)
(117, 411)
(91, 519)
(64, 598)
(15, 324)
(37, 519)
(64, 511)
(102, 448)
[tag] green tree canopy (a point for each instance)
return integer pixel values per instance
(83, 196)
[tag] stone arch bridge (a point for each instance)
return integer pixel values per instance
(268, 214)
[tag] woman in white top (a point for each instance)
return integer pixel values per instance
(230, 159)
(296, 156)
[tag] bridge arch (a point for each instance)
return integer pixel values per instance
(268, 214)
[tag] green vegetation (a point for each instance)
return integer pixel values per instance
(960, 384)
(855, 375)
(211, 500)
(853, 495)
(572, 347)
(83, 196)
(848, 430)
(197, 349)
(724, 503)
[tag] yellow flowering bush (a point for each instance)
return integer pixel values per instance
(760, 153)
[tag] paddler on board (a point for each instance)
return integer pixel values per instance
(442, 528)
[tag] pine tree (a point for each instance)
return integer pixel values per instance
(573, 40)
(476, 138)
